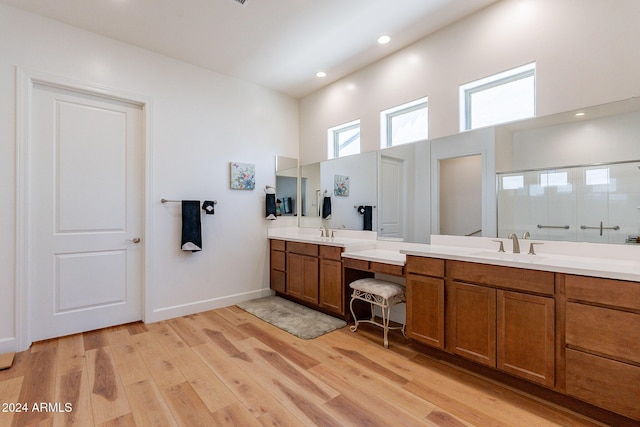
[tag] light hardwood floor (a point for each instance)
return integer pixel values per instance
(226, 367)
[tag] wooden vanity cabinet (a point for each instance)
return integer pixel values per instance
(602, 342)
(503, 317)
(425, 300)
(308, 273)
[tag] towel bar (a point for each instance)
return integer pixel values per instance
(215, 202)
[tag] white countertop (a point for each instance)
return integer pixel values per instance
(585, 266)
(586, 259)
(386, 256)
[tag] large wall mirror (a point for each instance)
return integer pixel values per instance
(451, 185)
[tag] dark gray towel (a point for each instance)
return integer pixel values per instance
(209, 207)
(191, 229)
(326, 207)
(271, 207)
(368, 218)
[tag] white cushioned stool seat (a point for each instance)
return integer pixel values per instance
(379, 293)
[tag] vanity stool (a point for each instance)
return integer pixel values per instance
(377, 293)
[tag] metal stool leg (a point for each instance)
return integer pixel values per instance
(386, 314)
(355, 319)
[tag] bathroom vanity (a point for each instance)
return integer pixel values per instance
(569, 323)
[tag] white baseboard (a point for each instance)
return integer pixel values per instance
(8, 345)
(204, 305)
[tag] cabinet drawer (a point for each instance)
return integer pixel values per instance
(330, 252)
(277, 245)
(357, 264)
(603, 291)
(302, 248)
(394, 270)
(277, 260)
(542, 282)
(278, 281)
(609, 332)
(603, 382)
(425, 266)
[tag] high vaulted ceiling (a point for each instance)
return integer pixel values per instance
(279, 44)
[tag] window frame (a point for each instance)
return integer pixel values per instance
(467, 90)
(333, 136)
(387, 116)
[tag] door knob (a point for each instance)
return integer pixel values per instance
(134, 240)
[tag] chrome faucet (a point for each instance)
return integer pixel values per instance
(526, 235)
(516, 244)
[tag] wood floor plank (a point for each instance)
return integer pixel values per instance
(158, 361)
(73, 390)
(392, 360)
(217, 321)
(235, 415)
(147, 405)
(354, 386)
(95, 339)
(70, 355)
(128, 361)
(126, 420)
(271, 362)
(235, 314)
(495, 400)
(352, 413)
(9, 393)
(108, 398)
(188, 409)
(136, 328)
(268, 335)
(38, 385)
(185, 329)
(242, 384)
(213, 392)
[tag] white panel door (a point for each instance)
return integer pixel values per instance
(391, 203)
(85, 212)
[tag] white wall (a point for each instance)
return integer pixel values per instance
(200, 122)
(583, 49)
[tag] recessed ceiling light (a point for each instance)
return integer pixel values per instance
(321, 74)
(384, 39)
(580, 114)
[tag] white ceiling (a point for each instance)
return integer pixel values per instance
(279, 44)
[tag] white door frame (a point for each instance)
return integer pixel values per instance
(25, 81)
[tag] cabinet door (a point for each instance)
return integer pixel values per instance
(302, 277)
(526, 340)
(331, 286)
(472, 327)
(310, 281)
(425, 310)
(295, 275)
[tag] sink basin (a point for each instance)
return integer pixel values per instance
(508, 256)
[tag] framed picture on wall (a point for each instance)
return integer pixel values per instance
(341, 185)
(242, 176)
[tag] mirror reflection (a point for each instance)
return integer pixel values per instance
(423, 188)
(597, 204)
(286, 186)
(333, 190)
